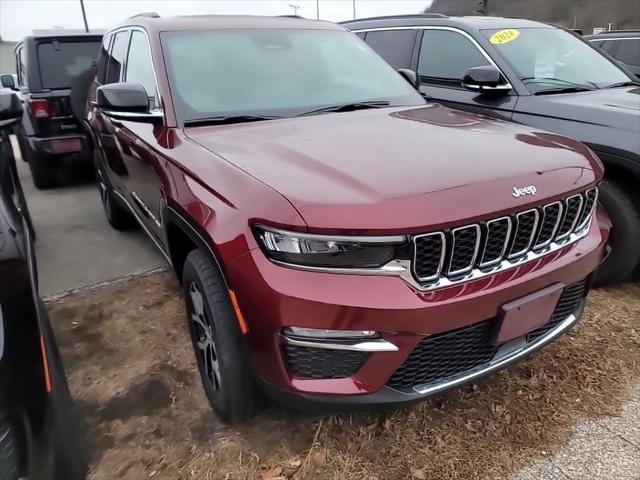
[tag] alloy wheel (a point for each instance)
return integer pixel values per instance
(204, 337)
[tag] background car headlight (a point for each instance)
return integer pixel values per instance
(329, 251)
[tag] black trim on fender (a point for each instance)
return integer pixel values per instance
(171, 216)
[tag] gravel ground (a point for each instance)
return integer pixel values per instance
(132, 371)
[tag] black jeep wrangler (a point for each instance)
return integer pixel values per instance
(48, 66)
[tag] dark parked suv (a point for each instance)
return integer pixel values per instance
(539, 75)
(39, 429)
(338, 239)
(623, 45)
(49, 132)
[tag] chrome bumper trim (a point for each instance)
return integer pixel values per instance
(373, 345)
(500, 361)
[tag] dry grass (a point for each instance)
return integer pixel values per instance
(132, 371)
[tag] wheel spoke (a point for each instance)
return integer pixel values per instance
(196, 299)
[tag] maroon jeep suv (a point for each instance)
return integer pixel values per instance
(339, 240)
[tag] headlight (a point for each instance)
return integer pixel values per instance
(329, 251)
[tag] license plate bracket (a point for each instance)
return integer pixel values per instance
(522, 315)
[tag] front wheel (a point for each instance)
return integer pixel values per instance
(222, 358)
(624, 239)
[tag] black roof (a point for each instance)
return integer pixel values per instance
(468, 22)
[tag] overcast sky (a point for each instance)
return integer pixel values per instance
(19, 17)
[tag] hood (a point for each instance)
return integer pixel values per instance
(401, 169)
(611, 107)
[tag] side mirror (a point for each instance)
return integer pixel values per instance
(484, 79)
(126, 101)
(10, 109)
(7, 81)
(410, 76)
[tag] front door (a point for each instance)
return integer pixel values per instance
(444, 54)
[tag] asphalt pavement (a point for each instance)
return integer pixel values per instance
(75, 245)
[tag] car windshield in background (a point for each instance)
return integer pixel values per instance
(551, 59)
(61, 60)
(277, 73)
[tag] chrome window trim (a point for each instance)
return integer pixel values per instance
(450, 29)
(612, 39)
(588, 215)
(462, 271)
(373, 345)
(443, 252)
(131, 28)
(512, 254)
(499, 362)
(546, 243)
(562, 237)
(504, 247)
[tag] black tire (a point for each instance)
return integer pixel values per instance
(223, 361)
(117, 215)
(624, 239)
(44, 169)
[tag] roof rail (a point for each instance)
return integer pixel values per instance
(146, 14)
(408, 15)
(624, 30)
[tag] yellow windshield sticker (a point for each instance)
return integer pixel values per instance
(504, 36)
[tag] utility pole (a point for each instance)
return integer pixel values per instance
(84, 16)
(354, 9)
(317, 9)
(295, 8)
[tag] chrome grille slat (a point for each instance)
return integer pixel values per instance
(572, 207)
(491, 229)
(505, 242)
(590, 203)
(524, 232)
(463, 255)
(549, 226)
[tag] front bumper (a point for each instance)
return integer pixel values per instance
(273, 297)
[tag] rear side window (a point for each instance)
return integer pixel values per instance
(22, 81)
(629, 51)
(395, 46)
(115, 63)
(60, 61)
(609, 46)
(140, 68)
(101, 69)
(445, 55)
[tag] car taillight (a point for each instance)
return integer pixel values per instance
(39, 108)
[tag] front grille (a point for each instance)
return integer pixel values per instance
(321, 363)
(451, 355)
(500, 242)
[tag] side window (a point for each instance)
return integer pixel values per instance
(609, 46)
(103, 58)
(21, 67)
(118, 54)
(140, 67)
(445, 55)
(395, 46)
(629, 52)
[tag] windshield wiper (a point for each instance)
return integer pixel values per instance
(628, 83)
(227, 119)
(571, 86)
(348, 107)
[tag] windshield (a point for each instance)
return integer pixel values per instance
(546, 59)
(60, 61)
(276, 73)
